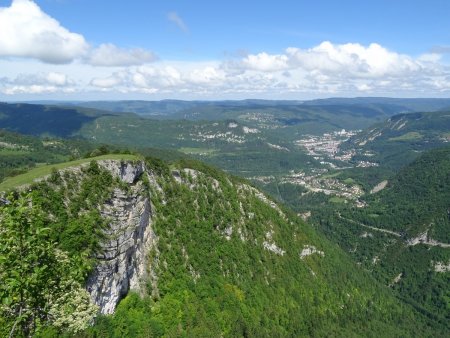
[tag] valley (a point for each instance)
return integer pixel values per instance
(345, 183)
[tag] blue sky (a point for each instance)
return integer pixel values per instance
(223, 49)
(218, 27)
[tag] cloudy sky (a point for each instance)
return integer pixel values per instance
(140, 49)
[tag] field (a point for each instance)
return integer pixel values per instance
(413, 135)
(42, 171)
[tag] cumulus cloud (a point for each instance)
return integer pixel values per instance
(347, 69)
(165, 79)
(41, 83)
(324, 70)
(178, 21)
(352, 59)
(109, 55)
(106, 82)
(265, 62)
(329, 61)
(26, 31)
(57, 79)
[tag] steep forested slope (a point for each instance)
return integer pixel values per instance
(208, 255)
(403, 234)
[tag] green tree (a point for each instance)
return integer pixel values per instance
(26, 260)
(34, 274)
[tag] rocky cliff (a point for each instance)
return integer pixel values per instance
(123, 260)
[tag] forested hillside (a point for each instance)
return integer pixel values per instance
(403, 234)
(19, 153)
(222, 260)
(44, 120)
(401, 138)
(393, 222)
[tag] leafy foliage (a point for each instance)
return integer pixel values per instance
(35, 276)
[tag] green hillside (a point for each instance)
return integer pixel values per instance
(401, 138)
(19, 153)
(36, 119)
(403, 234)
(227, 262)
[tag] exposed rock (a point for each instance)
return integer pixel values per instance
(277, 147)
(366, 234)
(423, 238)
(123, 260)
(127, 171)
(227, 232)
(258, 194)
(308, 250)
(441, 266)
(304, 216)
(396, 279)
(380, 186)
(270, 245)
(191, 172)
(274, 248)
(177, 176)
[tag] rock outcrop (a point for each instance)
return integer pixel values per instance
(128, 171)
(123, 261)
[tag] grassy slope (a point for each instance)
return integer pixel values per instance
(33, 174)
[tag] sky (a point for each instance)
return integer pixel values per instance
(179, 49)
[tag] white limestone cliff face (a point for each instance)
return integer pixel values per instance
(128, 171)
(123, 261)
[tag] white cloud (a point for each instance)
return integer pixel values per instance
(41, 83)
(107, 82)
(352, 59)
(265, 62)
(206, 76)
(363, 87)
(430, 57)
(26, 31)
(57, 79)
(109, 55)
(178, 21)
(324, 70)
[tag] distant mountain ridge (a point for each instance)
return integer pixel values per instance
(167, 108)
(46, 119)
